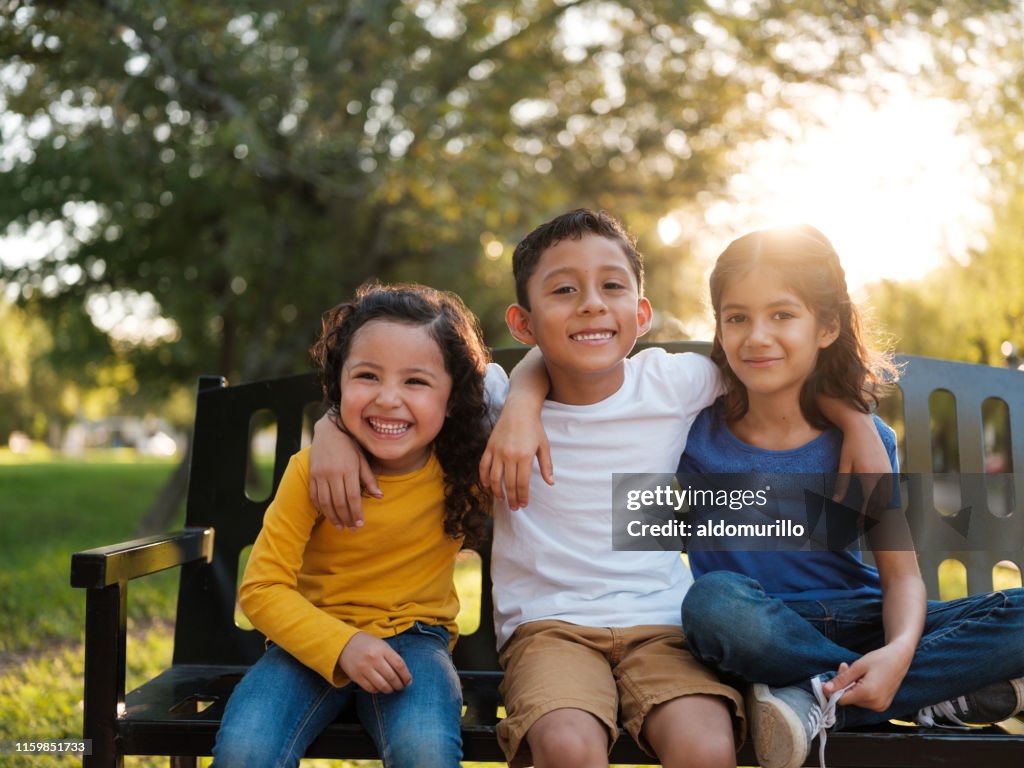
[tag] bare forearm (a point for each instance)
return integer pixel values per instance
(529, 383)
(878, 674)
(518, 436)
(904, 601)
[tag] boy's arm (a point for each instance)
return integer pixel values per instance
(880, 673)
(338, 471)
(863, 452)
(519, 435)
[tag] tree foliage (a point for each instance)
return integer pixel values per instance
(967, 310)
(248, 164)
(24, 341)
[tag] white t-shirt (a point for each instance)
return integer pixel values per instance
(554, 558)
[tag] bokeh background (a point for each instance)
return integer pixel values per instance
(185, 187)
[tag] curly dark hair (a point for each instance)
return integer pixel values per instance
(463, 436)
(848, 369)
(573, 225)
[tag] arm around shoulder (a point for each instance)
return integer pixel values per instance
(518, 435)
(338, 471)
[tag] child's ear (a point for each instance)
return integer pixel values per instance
(644, 316)
(828, 334)
(517, 318)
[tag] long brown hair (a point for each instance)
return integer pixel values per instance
(463, 437)
(848, 369)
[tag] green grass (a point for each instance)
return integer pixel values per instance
(51, 510)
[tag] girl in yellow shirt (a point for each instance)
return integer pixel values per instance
(364, 616)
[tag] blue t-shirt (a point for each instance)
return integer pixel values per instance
(711, 448)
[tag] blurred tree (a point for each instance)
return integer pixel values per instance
(997, 304)
(965, 311)
(24, 345)
(54, 372)
(239, 167)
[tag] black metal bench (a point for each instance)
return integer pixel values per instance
(178, 712)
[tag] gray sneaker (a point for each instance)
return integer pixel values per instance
(785, 721)
(995, 702)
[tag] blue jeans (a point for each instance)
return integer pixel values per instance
(280, 706)
(733, 625)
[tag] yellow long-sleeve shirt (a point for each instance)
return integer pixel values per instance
(310, 587)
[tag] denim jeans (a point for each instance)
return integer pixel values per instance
(280, 706)
(733, 625)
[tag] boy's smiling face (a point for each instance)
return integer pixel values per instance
(585, 315)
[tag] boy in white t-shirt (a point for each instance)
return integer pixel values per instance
(588, 636)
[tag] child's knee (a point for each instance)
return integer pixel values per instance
(424, 748)
(715, 749)
(721, 591)
(238, 748)
(711, 751)
(570, 738)
(1012, 620)
(567, 748)
(713, 603)
(692, 731)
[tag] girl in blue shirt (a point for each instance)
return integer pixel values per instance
(822, 628)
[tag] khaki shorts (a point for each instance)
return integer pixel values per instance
(553, 665)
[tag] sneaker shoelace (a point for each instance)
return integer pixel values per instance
(823, 716)
(934, 715)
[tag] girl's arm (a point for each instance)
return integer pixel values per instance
(519, 435)
(878, 674)
(338, 471)
(269, 595)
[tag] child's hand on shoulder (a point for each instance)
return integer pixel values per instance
(338, 471)
(507, 461)
(373, 665)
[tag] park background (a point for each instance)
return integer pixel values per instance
(185, 187)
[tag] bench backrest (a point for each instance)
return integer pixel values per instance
(991, 507)
(206, 632)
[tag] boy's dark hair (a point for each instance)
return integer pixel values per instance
(462, 438)
(573, 225)
(847, 369)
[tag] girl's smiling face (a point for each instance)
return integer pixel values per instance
(394, 394)
(770, 337)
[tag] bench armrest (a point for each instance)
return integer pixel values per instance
(104, 566)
